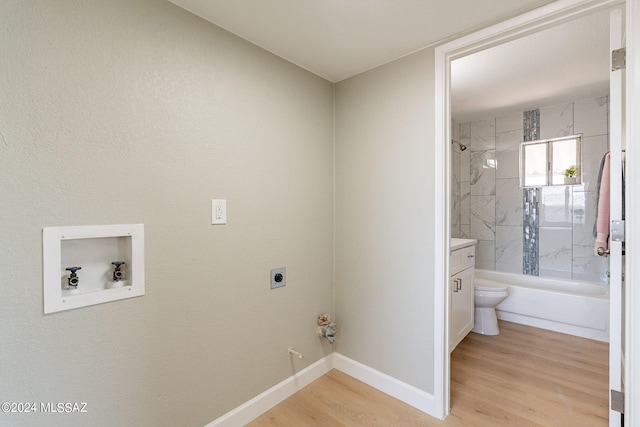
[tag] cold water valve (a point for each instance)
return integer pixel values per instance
(73, 279)
(117, 271)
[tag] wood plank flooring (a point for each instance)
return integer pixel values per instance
(523, 377)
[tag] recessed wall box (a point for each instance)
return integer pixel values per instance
(79, 264)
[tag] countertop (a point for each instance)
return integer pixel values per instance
(462, 243)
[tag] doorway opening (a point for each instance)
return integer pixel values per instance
(545, 18)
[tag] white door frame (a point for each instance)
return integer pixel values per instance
(539, 19)
(632, 211)
(616, 145)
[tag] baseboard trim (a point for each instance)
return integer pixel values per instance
(260, 404)
(402, 391)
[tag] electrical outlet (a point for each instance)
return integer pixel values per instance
(218, 211)
(278, 277)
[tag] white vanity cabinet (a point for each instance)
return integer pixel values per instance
(461, 306)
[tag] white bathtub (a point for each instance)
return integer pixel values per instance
(568, 306)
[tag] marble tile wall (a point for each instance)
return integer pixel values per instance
(455, 181)
(487, 199)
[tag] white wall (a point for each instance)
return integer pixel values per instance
(385, 217)
(135, 111)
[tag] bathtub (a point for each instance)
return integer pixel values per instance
(562, 305)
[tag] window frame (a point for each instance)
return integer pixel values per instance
(549, 143)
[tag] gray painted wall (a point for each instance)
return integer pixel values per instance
(384, 218)
(135, 111)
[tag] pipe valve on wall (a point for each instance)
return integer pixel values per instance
(117, 271)
(326, 328)
(73, 280)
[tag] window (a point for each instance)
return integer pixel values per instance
(551, 162)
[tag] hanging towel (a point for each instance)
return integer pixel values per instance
(598, 181)
(602, 218)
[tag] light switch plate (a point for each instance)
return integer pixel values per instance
(218, 211)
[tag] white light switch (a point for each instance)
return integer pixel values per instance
(218, 211)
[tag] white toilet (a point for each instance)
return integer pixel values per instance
(488, 295)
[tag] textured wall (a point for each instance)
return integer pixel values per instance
(384, 218)
(135, 111)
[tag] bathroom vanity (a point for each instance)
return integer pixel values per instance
(461, 289)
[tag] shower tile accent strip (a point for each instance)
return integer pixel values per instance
(531, 125)
(530, 199)
(531, 231)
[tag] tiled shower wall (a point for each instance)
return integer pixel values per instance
(487, 202)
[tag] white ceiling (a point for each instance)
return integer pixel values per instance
(337, 39)
(563, 63)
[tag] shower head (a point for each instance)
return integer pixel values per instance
(462, 146)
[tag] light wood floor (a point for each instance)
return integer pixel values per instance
(523, 377)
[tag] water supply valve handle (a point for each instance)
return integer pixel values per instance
(73, 279)
(117, 273)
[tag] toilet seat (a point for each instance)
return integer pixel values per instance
(487, 285)
(490, 288)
